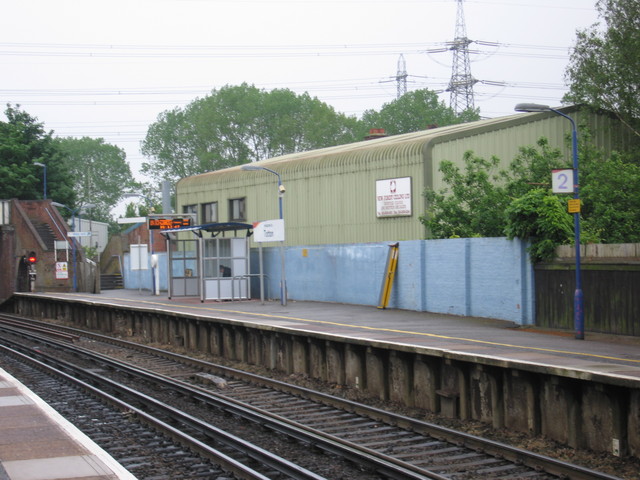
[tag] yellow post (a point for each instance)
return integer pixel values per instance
(389, 275)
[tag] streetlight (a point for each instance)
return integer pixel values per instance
(578, 298)
(73, 229)
(149, 207)
(45, 176)
(283, 281)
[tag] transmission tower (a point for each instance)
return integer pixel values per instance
(462, 82)
(401, 76)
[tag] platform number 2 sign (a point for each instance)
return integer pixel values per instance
(562, 181)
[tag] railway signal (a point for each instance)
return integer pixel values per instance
(30, 259)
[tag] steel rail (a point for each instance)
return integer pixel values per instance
(224, 461)
(388, 466)
(513, 454)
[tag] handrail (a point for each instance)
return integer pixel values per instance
(240, 277)
(64, 235)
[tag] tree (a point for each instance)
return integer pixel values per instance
(611, 204)
(100, 172)
(542, 218)
(240, 124)
(484, 202)
(415, 111)
(23, 141)
(472, 204)
(475, 201)
(604, 69)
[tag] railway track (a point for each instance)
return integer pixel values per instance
(391, 445)
(118, 427)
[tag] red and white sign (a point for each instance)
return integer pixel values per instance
(62, 270)
(393, 197)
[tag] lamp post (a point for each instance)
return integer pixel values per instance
(73, 229)
(283, 281)
(45, 176)
(578, 298)
(149, 207)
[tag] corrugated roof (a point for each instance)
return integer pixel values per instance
(351, 151)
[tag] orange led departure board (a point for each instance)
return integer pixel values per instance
(168, 223)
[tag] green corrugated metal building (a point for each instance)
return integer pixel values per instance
(371, 191)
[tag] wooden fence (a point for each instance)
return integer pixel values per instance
(610, 284)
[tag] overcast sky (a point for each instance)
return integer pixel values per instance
(108, 68)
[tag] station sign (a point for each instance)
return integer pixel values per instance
(168, 223)
(79, 234)
(562, 181)
(268, 231)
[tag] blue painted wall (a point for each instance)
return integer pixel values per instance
(141, 279)
(482, 277)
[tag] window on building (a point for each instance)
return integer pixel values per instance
(237, 210)
(190, 209)
(209, 212)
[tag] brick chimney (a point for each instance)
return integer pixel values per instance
(375, 133)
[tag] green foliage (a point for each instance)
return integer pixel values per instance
(90, 252)
(239, 124)
(472, 204)
(611, 203)
(475, 201)
(482, 201)
(100, 172)
(542, 218)
(415, 111)
(517, 202)
(131, 211)
(604, 69)
(532, 168)
(23, 141)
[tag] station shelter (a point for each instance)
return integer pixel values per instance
(212, 263)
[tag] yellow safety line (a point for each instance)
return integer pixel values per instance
(378, 329)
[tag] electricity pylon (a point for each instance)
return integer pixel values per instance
(461, 82)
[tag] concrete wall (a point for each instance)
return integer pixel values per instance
(483, 277)
(479, 277)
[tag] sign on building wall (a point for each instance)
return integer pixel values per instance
(393, 197)
(139, 257)
(268, 231)
(62, 270)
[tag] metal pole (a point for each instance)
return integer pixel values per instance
(139, 265)
(73, 247)
(261, 274)
(45, 181)
(45, 177)
(578, 297)
(283, 280)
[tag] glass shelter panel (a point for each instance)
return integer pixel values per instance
(226, 268)
(183, 265)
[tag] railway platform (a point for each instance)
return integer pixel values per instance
(598, 354)
(36, 443)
